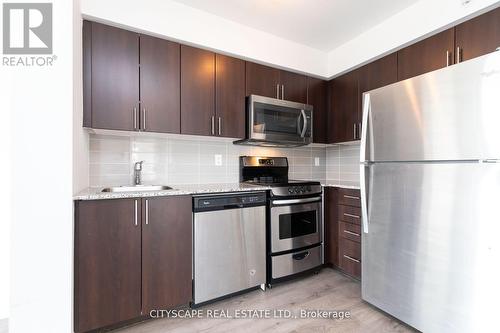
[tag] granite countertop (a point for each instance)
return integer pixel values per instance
(341, 183)
(95, 193)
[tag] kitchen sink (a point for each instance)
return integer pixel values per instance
(137, 188)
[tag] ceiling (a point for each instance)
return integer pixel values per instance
(320, 24)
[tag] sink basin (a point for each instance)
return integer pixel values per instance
(137, 188)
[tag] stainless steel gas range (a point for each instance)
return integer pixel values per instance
(294, 218)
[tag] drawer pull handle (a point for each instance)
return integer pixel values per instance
(300, 256)
(350, 215)
(351, 258)
(351, 197)
(351, 233)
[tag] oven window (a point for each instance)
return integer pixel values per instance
(297, 224)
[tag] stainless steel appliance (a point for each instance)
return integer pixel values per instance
(229, 244)
(430, 186)
(277, 123)
(295, 217)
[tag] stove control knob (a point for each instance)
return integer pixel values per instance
(308, 188)
(290, 190)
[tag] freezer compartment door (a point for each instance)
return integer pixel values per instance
(432, 251)
(449, 114)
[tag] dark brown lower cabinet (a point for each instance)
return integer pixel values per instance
(331, 226)
(166, 253)
(343, 230)
(131, 256)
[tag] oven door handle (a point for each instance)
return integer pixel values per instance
(295, 201)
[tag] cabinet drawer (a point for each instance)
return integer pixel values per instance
(350, 257)
(349, 197)
(350, 231)
(350, 214)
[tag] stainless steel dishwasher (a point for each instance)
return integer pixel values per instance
(229, 244)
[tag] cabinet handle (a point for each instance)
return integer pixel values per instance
(351, 215)
(220, 126)
(278, 91)
(350, 197)
(135, 118)
(351, 233)
(459, 54)
(447, 58)
(282, 91)
(144, 119)
(351, 258)
(213, 125)
(355, 136)
(135, 222)
(147, 211)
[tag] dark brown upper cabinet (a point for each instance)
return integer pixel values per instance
(262, 80)
(197, 91)
(166, 252)
(230, 96)
(478, 36)
(131, 256)
(111, 77)
(271, 82)
(376, 74)
(160, 85)
(317, 97)
(427, 55)
(344, 120)
(107, 263)
(293, 87)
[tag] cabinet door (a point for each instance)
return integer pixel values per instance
(197, 91)
(166, 252)
(293, 87)
(114, 82)
(262, 80)
(427, 55)
(317, 97)
(479, 36)
(379, 73)
(344, 119)
(331, 226)
(160, 85)
(230, 96)
(107, 262)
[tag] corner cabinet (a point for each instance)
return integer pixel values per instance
(344, 119)
(131, 256)
(317, 92)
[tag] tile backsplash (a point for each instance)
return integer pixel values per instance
(192, 160)
(342, 163)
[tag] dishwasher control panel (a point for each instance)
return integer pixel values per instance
(228, 201)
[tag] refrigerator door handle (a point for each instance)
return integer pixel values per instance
(363, 169)
(364, 127)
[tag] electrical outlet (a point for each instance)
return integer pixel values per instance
(218, 159)
(316, 161)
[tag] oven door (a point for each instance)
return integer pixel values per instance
(295, 223)
(276, 120)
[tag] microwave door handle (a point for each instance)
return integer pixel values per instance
(304, 129)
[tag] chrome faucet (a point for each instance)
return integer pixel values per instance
(137, 172)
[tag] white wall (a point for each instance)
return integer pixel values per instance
(40, 104)
(180, 22)
(422, 19)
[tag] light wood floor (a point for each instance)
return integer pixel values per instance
(329, 290)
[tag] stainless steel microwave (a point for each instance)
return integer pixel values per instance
(277, 123)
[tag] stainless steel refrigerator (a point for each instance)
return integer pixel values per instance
(430, 187)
